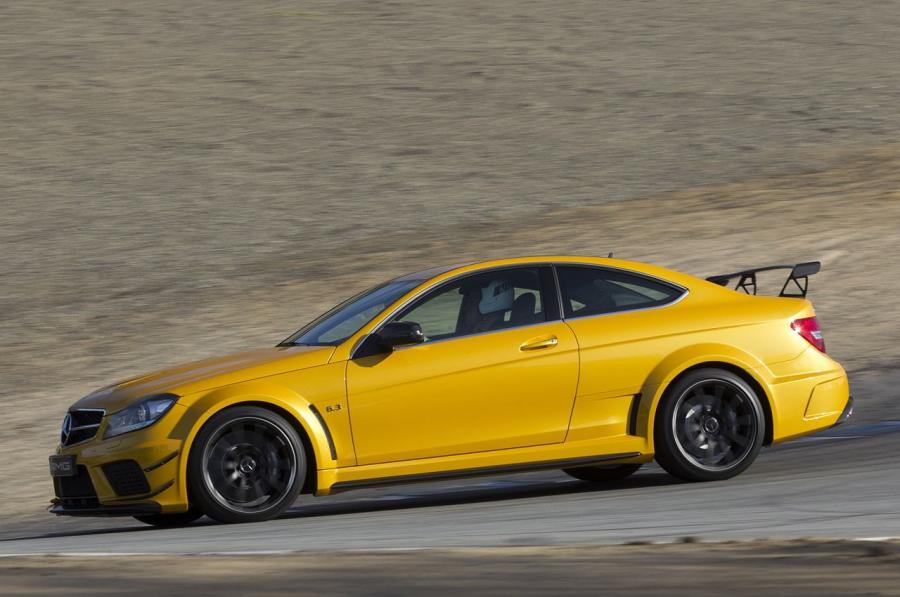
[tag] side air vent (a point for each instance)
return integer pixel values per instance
(633, 414)
(126, 477)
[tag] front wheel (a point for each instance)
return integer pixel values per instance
(710, 426)
(247, 465)
(603, 474)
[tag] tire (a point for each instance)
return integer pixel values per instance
(710, 426)
(171, 520)
(247, 464)
(601, 474)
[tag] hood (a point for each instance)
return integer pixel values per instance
(208, 374)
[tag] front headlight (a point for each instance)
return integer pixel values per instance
(137, 416)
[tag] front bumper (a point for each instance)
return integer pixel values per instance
(130, 475)
(61, 508)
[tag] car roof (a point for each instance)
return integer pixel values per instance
(449, 271)
(427, 274)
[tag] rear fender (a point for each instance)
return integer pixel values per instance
(680, 361)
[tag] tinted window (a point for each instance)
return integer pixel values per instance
(594, 291)
(346, 319)
(479, 303)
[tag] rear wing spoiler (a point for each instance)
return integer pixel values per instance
(795, 286)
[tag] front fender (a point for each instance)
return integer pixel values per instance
(200, 408)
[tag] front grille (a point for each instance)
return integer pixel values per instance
(126, 477)
(81, 425)
(76, 491)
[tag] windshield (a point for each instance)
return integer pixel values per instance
(346, 319)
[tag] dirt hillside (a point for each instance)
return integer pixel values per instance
(183, 180)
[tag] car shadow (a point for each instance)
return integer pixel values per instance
(403, 497)
(478, 493)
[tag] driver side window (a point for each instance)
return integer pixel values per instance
(479, 303)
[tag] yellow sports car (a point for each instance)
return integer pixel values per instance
(589, 365)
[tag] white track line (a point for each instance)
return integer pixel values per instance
(288, 552)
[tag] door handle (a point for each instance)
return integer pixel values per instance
(539, 344)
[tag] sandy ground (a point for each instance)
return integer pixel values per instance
(799, 568)
(183, 181)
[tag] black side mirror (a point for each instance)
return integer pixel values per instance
(401, 333)
(396, 333)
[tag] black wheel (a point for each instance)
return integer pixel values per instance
(710, 426)
(171, 520)
(600, 474)
(247, 465)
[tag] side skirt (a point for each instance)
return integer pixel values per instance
(474, 472)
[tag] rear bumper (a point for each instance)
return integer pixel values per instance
(846, 414)
(808, 394)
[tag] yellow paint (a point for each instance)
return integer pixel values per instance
(543, 392)
(825, 399)
(472, 394)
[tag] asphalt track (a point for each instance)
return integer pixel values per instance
(842, 483)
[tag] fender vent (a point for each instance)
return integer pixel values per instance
(633, 414)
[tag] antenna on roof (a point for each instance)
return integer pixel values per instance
(610, 255)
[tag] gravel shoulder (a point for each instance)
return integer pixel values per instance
(798, 568)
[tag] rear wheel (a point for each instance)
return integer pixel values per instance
(600, 474)
(710, 426)
(171, 520)
(247, 465)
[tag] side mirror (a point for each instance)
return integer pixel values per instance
(401, 333)
(396, 333)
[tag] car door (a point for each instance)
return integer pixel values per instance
(621, 327)
(498, 369)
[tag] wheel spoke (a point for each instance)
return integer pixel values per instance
(261, 487)
(276, 483)
(238, 437)
(725, 451)
(219, 452)
(740, 440)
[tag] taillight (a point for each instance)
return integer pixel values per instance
(808, 327)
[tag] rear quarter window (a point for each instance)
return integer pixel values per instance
(595, 291)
